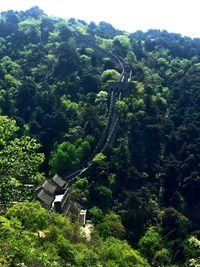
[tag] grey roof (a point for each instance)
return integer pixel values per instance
(46, 198)
(58, 180)
(48, 186)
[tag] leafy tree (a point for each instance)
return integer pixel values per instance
(31, 215)
(120, 253)
(111, 226)
(110, 75)
(192, 251)
(64, 159)
(68, 156)
(99, 158)
(96, 214)
(19, 160)
(55, 79)
(150, 243)
(79, 190)
(174, 224)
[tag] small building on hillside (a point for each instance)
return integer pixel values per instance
(49, 189)
(54, 194)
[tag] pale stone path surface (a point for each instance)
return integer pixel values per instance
(87, 229)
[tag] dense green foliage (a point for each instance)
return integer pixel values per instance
(59, 244)
(54, 84)
(19, 161)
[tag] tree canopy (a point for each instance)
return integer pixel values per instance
(142, 190)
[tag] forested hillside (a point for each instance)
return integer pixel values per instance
(144, 188)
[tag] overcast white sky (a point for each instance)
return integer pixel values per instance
(181, 16)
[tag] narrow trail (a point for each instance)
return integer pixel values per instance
(112, 122)
(47, 193)
(116, 90)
